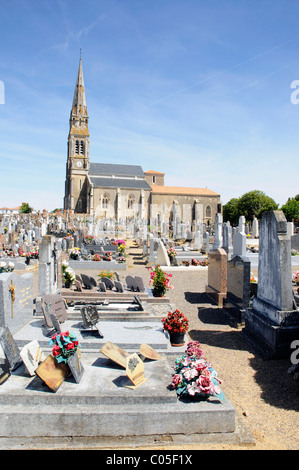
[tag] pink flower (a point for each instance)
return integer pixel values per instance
(192, 389)
(176, 379)
(205, 384)
(190, 374)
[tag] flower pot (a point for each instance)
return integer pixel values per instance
(159, 292)
(177, 339)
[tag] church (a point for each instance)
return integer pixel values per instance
(122, 191)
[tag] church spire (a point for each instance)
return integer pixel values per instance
(79, 108)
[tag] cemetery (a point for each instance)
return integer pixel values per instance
(86, 350)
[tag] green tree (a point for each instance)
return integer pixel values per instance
(231, 211)
(291, 209)
(255, 203)
(25, 208)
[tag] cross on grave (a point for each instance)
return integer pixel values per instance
(12, 290)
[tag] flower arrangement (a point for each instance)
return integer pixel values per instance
(253, 279)
(74, 253)
(185, 262)
(68, 274)
(194, 376)
(121, 248)
(88, 239)
(107, 256)
(160, 281)
(294, 252)
(195, 262)
(171, 252)
(108, 274)
(295, 278)
(96, 257)
(64, 345)
(204, 262)
(175, 322)
(121, 259)
(6, 268)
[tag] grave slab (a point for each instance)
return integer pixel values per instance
(101, 406)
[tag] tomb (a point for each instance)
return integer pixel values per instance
(217, 275)
(272, 322)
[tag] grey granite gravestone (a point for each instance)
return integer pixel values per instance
(273, 321)
(10, 348)
(238, 288)
(16, 300)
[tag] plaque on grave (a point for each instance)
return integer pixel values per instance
(147, 352)
(135, 371)
(75, 365)
(10, 348)
(52, 373)
(90, 318)
(115, 353)
(32, 355)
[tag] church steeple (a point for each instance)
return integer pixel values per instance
(79, 115)
(78, 150)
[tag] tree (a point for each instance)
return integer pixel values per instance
(291, 209)
(255, 203)
(25, 208)
(251, 204)
(231, 212)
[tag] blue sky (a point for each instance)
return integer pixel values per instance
(197, 89)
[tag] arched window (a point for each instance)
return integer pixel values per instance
(105, 201)
(208, 211)
(81, 147)
(131, 200)
(77, 147)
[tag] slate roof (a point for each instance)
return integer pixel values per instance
(115, 169)
(118, 183)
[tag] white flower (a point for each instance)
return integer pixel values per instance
(2, 264)
(11, 264)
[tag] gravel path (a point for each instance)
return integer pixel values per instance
(264, 394)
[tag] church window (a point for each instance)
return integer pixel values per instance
(77, 147)
(208, 211)
(154, 179)
(131, 200)
(105, 201)
(81, 147)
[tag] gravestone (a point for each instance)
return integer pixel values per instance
(115, 353)
(16, 300)
(32, 355)
(238, 288)
(52, 373)
(273, 321)
(227, 239)
(75, 365)
(239, 244)
(90, 318)
(54, 305)
(162, 257)
(10, 348)
(255, 228)
(218, 232)
(217, 275)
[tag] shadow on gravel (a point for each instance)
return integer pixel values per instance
(233, 340)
